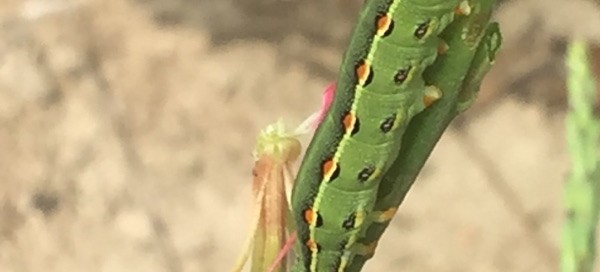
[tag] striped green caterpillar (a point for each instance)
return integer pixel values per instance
(379, 90)
(468, 42)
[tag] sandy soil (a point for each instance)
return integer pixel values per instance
(128, 129)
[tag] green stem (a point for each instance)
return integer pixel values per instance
(582, 187)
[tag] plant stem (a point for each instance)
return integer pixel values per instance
(583, 183)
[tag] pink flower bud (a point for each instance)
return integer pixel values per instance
(328, 96)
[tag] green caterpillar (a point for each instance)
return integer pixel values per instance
(461, 80)
(379, 90)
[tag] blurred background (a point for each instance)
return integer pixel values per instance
(127, 131)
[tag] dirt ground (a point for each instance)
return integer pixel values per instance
(128, 129)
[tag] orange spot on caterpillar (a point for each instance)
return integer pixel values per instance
(386, 215)
(312, 245)
(432, 94)
(428, 101)
(443, 47)
(384, 24)
(312, 217)
(389, 213)
(331, 170)
(364, 73)
(351, 123)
